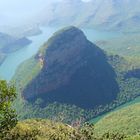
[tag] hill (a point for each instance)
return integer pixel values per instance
(9, 44)
(40, 129)
(73, 71)
(106, 15)
(98, 14)
(125, 120)
(72, 79)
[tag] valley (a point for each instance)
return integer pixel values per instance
(37, 41)
(70, 70)
(97, 119)
(33, 70)
(14, 59)
(117, 121)
(27, 52)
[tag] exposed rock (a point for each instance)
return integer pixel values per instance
(74, 71)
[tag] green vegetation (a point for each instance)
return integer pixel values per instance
(112, 128)
(127, 45)
(120, 125)
(129, 90)
(8, 118)
(34, 71)
(125, 120)
(38, 129)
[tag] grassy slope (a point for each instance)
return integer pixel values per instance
(125, 121)
(22, 77)
(26, 72)
(127, 45)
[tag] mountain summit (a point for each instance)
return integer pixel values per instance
(73, 71)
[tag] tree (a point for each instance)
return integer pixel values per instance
(8, 117)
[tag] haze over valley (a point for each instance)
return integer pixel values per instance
(69, 69)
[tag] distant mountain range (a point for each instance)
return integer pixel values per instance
(120, 15)
(108, 15)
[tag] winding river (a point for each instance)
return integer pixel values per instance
(9, 66)
(11, 63)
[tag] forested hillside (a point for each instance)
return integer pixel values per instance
(59, 79)
(70, 70)
(124, 121)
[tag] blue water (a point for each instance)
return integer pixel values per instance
(96, 35)
(9, 66)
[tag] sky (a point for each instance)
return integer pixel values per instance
(17, 11)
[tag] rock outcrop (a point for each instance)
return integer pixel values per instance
(74, 71)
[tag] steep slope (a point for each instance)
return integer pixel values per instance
(125, 120)
(73, 71)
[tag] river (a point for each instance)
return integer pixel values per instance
(11, 63)
(9, 66)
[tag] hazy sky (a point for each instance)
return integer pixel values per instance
(18, 11)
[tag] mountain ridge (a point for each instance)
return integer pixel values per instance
(69, 62)
(106, 15)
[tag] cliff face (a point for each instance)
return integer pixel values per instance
(74, 71)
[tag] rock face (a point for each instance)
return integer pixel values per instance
(74, 71)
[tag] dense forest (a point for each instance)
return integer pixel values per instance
(33, 71)
(70, 70)
(42, 129)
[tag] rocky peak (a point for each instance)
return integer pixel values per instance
(74, 71)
